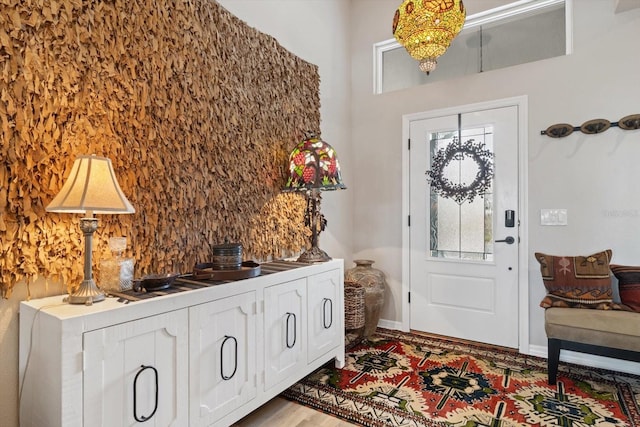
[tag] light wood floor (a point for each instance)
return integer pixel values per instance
(280, 412)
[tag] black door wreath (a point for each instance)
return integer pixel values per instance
(461, 192)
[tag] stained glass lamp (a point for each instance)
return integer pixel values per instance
(91, 188)
(314, 167)
(426, 28)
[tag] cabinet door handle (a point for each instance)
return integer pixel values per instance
(289, 316)
(324, 313)
(143, 418)
(235, 355)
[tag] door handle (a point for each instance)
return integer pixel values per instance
(235, 367)
(509, 240)
(143, 418)
(290, 315)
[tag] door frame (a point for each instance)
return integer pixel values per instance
(521, 102)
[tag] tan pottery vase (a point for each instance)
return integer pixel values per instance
(374, 283)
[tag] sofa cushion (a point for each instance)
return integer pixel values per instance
(577, 281)
(628, 285)
(615, 329)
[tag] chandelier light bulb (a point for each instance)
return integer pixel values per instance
(427, 65)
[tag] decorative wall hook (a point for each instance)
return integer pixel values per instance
(590, 127)
(631, 122)
(595, 126)
(559, 131)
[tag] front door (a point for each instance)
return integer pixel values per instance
(464, 225)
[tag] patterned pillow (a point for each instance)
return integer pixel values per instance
(628, 285)
(577, 281)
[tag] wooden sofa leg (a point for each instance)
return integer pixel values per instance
(553, 357)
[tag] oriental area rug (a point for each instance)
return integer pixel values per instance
(400, 379)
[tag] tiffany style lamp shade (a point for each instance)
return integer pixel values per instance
(314, 167)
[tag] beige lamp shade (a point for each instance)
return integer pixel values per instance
(91, 187)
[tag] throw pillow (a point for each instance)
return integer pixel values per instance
(577, 281)
(628, 285)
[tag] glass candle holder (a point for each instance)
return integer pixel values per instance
(116, 272)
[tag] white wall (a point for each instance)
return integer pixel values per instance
(316, 30)
(594, 177)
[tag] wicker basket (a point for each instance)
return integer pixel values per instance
(353, 305)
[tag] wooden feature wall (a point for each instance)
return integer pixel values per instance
(197, 111)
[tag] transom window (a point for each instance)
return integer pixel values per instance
(518, 33)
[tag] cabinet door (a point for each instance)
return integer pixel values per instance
(137, 372)
(285, 326)
(222, 350)
(324, 313)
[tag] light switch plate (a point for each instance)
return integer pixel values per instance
(553, 217)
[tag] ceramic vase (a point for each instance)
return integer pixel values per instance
(374, 283)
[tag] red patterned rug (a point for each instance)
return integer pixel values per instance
(399, 379)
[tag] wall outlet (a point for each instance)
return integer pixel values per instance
(553, 217)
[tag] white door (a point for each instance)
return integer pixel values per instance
(463, 236)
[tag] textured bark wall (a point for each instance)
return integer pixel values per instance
(196, 110)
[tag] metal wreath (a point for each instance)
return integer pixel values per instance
(457, 151)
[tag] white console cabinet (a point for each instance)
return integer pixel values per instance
(283, 328)
(202, 357)
(325, 325)
(223, 361)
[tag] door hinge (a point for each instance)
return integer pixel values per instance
(409, 220)
(409, 297)
(409, 144)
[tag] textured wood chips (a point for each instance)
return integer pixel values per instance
(197, 111)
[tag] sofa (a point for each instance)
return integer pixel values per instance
(586, 311)
(610, 333)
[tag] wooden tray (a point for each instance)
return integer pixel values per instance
(207, 272)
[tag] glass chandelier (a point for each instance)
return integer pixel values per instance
(426, 28)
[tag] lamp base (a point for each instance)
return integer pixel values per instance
(86, 294)
(315, 254)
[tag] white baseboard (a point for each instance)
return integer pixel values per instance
(537, 350)
(389, 324)
(589, 360)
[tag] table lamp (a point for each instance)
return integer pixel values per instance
(91, 188)
(314, 167)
